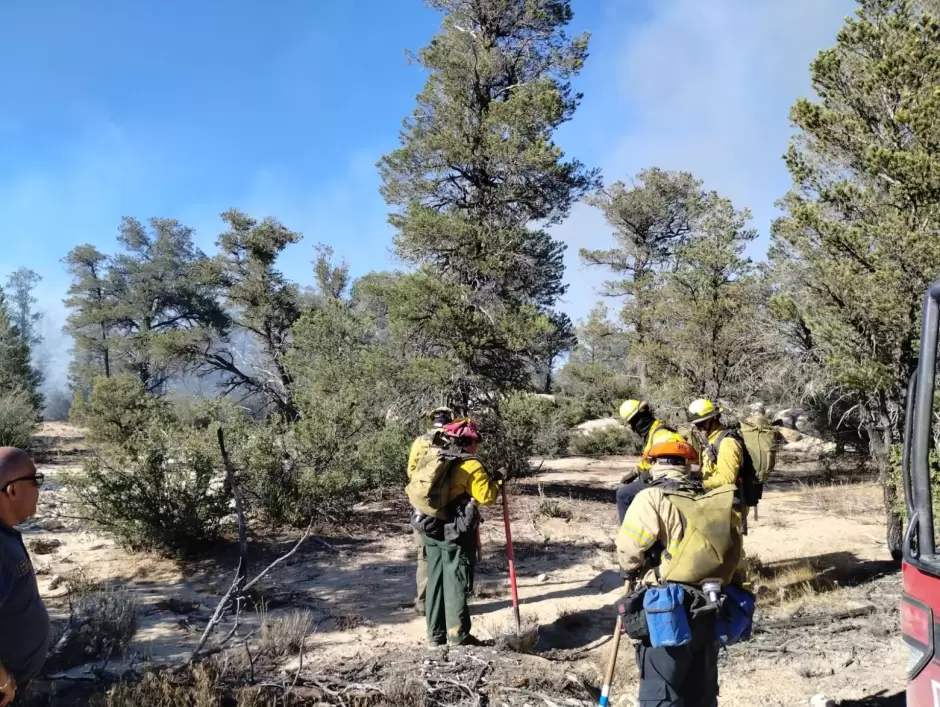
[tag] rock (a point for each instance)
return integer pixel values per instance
(821, 701)
(789, 435)
(542, 578)
(788, 417)
(55, 582)
(588, 427)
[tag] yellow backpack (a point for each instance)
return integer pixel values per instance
(711, 545)
(429, 488)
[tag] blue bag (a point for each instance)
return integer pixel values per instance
(666, 616)
(736, 618)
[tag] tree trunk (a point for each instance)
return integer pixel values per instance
(881, 438)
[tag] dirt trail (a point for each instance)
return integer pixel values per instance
(360, 594)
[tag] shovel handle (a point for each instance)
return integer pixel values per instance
(611, 666)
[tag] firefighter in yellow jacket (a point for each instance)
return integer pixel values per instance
(637, 414)
(654, 548)
(450, 555)
(437, 419)
(722, 460)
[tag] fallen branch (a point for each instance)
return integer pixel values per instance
(818, 619)
(226, 602)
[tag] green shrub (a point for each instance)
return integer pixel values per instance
(537, 426)
(164, 492)
(604, 441)
(102, 624)
(896, 486)
(118, 413)
(18, 421)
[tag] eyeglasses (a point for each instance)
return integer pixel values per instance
(37, 479)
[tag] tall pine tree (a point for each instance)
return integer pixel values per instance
(858, 245)
(16, 370)
(474, 185)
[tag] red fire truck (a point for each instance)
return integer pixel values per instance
(920, 602)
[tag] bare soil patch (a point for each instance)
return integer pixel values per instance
(346, 605)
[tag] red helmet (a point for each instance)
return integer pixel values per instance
(462, 429)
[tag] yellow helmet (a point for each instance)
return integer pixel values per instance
(630, 408)
(703, 409)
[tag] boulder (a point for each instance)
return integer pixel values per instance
(586, 428)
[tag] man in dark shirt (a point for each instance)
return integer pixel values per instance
(25, 630)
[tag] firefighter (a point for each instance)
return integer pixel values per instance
(659, 546)
(437, 418)
(450, 550)
(722, 465)
(637, 414)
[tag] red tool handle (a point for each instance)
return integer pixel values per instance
(512, 564)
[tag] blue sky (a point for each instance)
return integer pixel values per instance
(181, 109)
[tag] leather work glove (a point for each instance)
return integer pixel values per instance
(501, 475)
(631, 475)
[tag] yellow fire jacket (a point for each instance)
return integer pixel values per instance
(468, 477)
(727, 467)
(649, 518)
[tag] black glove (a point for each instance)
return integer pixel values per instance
(501, 474)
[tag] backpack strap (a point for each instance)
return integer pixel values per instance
(713, 447)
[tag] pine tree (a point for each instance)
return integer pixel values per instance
(90, 321)
(16, 371)
(652, 219)
(20, 287)
(704, 338)
(476, 181)
(261, 305)
(859, 240)
(143, 308)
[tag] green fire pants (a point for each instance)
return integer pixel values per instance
(450, 578)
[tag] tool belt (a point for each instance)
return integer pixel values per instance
(699, 609)
(463, 517)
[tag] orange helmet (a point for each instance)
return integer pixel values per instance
(677, 449)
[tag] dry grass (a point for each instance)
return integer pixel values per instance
(797, 581)
(102, 624)
(552, 508)
(843, 500)
(285, 633)
(488, 589)
(199, 689)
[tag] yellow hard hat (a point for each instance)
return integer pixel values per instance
(630, 408)
(703, 409)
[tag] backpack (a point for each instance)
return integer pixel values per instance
(759, 448)
(429, 488)
(711, 545)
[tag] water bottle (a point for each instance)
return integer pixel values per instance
(712, 588)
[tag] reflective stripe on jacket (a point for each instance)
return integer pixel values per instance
(650, 518)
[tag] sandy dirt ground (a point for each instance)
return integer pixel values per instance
(818, 545)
